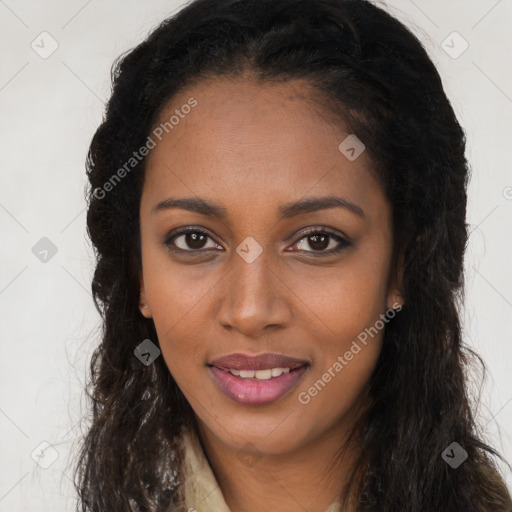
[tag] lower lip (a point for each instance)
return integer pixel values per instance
(256, 392)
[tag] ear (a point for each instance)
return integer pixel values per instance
(395, 298)
(143, 305)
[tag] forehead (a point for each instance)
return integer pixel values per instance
(254, 145)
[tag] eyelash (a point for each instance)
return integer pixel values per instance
(343, 242)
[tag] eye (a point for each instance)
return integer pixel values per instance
(317, 240)
(321, 239)
(190, 240)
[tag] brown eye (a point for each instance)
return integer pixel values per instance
(317, 242)
(195, 240)
(190, 240)
(320, 241)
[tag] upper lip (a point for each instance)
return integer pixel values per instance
(260, 362)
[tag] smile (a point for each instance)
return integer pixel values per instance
(257, 387)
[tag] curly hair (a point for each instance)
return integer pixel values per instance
(375, 76)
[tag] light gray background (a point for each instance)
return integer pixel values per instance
(50, 109)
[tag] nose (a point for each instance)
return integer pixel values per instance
(254, 298)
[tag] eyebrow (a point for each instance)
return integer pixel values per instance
(286, 211)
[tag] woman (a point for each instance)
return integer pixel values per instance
(277, 200)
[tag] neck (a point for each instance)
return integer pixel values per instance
(309, 478)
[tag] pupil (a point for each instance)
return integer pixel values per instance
(195, 240)
(314, 239)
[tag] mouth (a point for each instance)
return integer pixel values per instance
(257, 387)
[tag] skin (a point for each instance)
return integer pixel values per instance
(251, 148)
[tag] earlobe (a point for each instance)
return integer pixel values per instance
(395, 296)
(395, 301)
(143, 305)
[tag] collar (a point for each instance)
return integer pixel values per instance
(201, 490)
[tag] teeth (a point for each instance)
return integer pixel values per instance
(260, 374)
(247, 374)
(279, 371)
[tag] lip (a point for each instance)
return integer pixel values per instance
(253, 391)
(259, 362)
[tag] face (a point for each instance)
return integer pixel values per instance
(253, 264)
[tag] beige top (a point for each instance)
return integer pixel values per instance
(201, 491)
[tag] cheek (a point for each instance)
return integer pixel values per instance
(344, 318)
(182, 304)
(179, 321)
(343, 302)
(177, 297)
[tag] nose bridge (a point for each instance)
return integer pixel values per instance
(251, 298)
